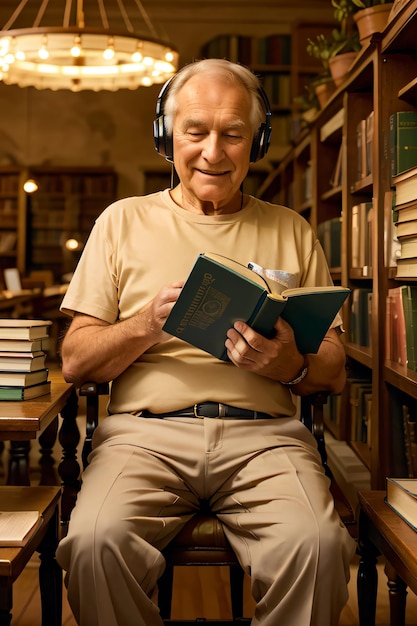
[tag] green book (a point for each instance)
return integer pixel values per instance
(403, 141)
(409, 303)
(24, 393)
(220, 291)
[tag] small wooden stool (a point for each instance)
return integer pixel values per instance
(45, 540)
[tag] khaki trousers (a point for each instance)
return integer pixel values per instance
(265, 481)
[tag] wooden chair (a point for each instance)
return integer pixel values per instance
(202, 540)
(44, 540)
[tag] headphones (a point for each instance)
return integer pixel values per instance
(163, 139)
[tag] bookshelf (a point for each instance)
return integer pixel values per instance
(12, 218)
(68, 201)
(282, 63)
(34, 228)
(382, 82)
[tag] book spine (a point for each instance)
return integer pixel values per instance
(265, 316)
(403, 141)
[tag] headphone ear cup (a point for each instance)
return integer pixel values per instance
(260, 143)
(162, 140)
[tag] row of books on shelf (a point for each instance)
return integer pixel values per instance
(329, 233)
(23, 367)
(9, 183)
(354, 406)
(402, 143)
(364, 142)
(401, 326)
(277, 87)
(360, 316)
(8, 206)
(74, 183)
(360, 403)
(274, 49)
(404, 217)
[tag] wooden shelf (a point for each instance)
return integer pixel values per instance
(389, 60)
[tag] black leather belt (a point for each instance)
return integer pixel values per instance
(217, 410)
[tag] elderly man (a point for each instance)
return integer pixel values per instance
(153, 461)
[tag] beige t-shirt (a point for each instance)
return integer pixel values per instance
(140, 244)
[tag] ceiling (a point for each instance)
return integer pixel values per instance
(162, 12)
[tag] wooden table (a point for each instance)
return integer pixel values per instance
(381, 531)
(21, 422)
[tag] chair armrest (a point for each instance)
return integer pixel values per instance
(92, 391)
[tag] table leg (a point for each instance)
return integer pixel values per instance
(18, 471)
(397, 590)
(69, 468)
(47, 441)
(367, 581)
(50, 576)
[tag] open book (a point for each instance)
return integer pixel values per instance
(220, 291)
(17, 527)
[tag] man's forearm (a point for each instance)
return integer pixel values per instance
(94, 350)
(326, 369)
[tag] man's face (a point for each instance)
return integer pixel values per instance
(212, 137)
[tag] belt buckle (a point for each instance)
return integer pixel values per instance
(221, 411)
(196, 413)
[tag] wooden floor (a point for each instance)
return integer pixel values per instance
(191, 601)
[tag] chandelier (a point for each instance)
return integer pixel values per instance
(76, 56)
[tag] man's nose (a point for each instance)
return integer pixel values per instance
(213, 150)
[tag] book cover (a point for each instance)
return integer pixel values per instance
(12, 345)
(405, 186)
(22, 361)
(23, 379)
(409, 303)
(18, 394)
(408, 248)
(220, 291)
(406, 212)
(407, 229)
(16, 527)
(396, 335)
(403, 141)
(407, 268)
(402, 498)
(24, 329)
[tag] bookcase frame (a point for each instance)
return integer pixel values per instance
(382, 80)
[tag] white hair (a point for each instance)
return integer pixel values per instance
(233, 72)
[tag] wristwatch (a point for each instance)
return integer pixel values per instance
(300, 376)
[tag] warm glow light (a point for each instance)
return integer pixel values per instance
(79, 59)
(30, 185)
(43, 53)
(76, 48)
(72, 244)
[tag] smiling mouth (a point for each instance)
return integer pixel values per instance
(210, 173)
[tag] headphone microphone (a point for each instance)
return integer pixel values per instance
(164, 142)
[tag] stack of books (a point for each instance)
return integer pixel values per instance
(401, 497)
(403, 128)
(23, 371)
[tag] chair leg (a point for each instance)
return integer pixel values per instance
(165, 585)
(236, 575)
(6, 601)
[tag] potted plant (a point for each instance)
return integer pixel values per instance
(341, 47)
(371, 16)
(338, 52)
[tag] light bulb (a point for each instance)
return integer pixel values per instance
(30, 185)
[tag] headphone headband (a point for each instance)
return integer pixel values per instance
(164, 142)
